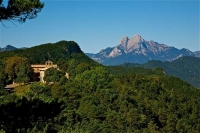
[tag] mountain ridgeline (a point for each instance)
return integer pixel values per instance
(138, 50)
(62, 50)
(186, 68)
(7, 48)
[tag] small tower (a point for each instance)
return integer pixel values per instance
(49, 63)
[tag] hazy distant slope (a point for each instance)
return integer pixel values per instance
(90, 54)
(7, 48)
(187, 68)
(197, 54)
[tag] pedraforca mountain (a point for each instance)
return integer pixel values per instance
(138, 50)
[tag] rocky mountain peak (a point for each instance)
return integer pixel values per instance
(124, 40)
(127, 45)
(137, 38)
(139, 50)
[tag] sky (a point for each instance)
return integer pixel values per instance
(96, 25)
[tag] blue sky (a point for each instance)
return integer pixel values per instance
(96, 25)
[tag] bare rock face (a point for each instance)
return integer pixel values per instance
(139, 50)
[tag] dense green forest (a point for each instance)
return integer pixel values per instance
(56, 52)
(185, 68)
(95, 98)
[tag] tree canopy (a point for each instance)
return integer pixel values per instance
(53, 75)
(20, 10)
(18, 69)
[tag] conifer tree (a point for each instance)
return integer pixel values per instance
(20, 10)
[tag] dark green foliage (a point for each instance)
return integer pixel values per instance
(33, 113)
(23, 76)
(96, 101)
(53, 75)
(39, 91)
(2, 77)
(60, 52)
(186, 68)
(99, 102)
(20, 10)
(18, 69)
(23, 115)
(119, 70)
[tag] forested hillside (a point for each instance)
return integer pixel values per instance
(15, 65)
(186, 68)
(62, 50)
(95, 98)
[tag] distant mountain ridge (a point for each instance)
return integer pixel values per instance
(186, 68)
(138, 50)
(9, 48)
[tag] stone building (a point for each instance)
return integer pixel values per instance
(38, 70)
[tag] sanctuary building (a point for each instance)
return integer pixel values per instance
(38, 70)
